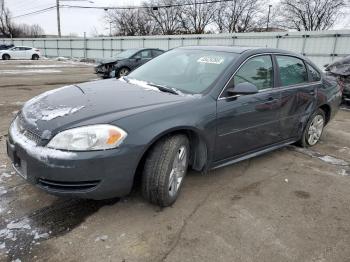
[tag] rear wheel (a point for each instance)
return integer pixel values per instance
(314, 129)
(123, 72)
(35, 57)
(6, 57)
(165, 169)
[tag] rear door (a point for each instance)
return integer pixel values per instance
(29, 52)
(249, 122)
(298, 95)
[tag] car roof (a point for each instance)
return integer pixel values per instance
(239, 49)
(229, 49)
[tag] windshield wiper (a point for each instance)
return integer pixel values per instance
(165, 88)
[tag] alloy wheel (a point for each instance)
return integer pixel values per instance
(315, 130)
(178, 171)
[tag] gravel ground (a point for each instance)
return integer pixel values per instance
(289, 205)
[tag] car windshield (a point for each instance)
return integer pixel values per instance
(127, 54)
(187, 70)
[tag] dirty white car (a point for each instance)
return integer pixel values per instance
(20, 52)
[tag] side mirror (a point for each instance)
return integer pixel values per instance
(244, 88)
(137, 59)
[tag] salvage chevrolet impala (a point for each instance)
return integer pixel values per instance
(192, 107)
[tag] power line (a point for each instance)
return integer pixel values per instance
(119, 7)
(36, 12)
(145, 6)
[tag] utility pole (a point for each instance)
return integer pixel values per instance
(2, 6)
(268, 18)
(58, 18)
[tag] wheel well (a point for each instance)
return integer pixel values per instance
(327, 111)
(5, 55)
(198, 152)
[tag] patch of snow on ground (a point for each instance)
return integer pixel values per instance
(2, 246)
(38, 236)
(30, 71)
(343, 172)
(333, 160)
(3, 191)
(22, 224)
(46, 66)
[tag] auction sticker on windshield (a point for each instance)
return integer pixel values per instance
(211, 60)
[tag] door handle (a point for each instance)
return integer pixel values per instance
(271, 100)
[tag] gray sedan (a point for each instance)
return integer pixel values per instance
(198, 107)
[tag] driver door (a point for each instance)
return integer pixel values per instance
(246, 123)
(142, 57)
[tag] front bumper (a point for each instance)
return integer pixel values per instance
(93, 175)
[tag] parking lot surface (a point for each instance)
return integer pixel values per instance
(289, 205)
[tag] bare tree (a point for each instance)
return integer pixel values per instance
(166, 15)
(10, 29)
(196, 15)
(130, 22)
(237, 15)
(6, 26)
(309, 15)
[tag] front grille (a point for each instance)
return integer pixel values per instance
(67, 186)
(26, 132)
(32, 136)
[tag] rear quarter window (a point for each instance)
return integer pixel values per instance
(292, 70)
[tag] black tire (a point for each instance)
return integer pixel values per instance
(121, 72)
(6, 57)
(304, 141)
(35, 57)
(159, 167)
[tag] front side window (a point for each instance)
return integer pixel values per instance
(292, 70)
(146, 54)
(314, 74)
(257, 71)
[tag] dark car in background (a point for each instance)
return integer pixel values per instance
(5, 47)
(200, 107)
(125, 62)
(340, 69)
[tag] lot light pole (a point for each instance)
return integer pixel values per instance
(268, 18)
(58, 12)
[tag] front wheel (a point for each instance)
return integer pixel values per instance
(165, 169)
(6, 57)
(122, 72)
(314, 129)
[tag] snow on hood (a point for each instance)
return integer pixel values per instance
(34, 110)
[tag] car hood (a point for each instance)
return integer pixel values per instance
(89, 103)
(340, 67)
(110, 60)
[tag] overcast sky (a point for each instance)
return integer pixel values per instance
(78, 21)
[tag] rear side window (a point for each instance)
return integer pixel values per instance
(258, 71)
(292, 70)
(314, 74)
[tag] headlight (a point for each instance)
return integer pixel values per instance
(87, 138)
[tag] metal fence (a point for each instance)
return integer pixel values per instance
(321, 47)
